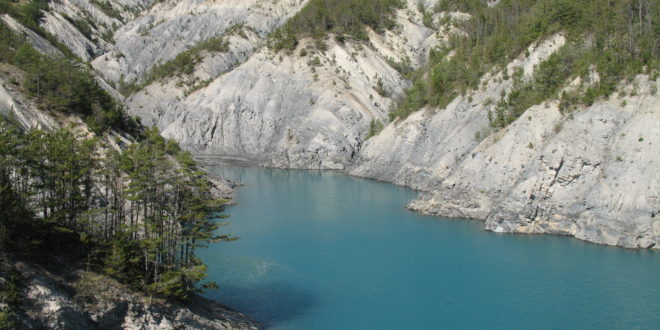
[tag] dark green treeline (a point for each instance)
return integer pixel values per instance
(140, 214)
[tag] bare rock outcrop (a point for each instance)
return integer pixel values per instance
(309, 109)
(591, 173)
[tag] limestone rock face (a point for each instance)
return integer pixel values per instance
(14, 105)
(422, 150)
(171, 27)
(58, 26)
(84, 27)
(275, 113)
(307, 109)
(591, 173)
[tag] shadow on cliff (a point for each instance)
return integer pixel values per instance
(270, 304)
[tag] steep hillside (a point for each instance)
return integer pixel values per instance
(591, 173)
(561, 137)
(534, 116)
(84, 186)
(508, 92)
(308, 107)
(170, 27)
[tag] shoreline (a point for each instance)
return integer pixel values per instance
(207, 161)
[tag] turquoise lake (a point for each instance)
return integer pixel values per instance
(320, 250)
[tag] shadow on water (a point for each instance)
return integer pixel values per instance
(270, 304)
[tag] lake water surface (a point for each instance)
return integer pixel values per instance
(320, 250)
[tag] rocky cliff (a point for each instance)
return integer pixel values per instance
(307, 109)
(591, 173)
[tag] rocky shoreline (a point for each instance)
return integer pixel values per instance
(591, 174)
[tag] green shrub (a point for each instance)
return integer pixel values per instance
(375, 127)
(380, 88)
(404, 67)
(316, 61)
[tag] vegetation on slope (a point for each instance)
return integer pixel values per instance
(616, 39)
(344, 18)
(184, 63)
(137, 215)
(29, 14)
(107, 8)
(64, 85)
(10, 296)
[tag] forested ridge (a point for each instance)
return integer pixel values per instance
(118, 199)
(615, 39)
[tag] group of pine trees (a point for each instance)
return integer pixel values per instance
(140, 213)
